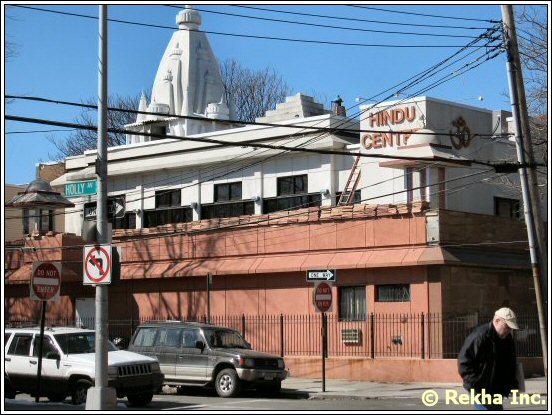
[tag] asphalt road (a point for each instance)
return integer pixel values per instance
(198, 399)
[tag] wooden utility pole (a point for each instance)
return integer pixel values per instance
(525, 158)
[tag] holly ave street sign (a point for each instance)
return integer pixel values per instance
(322, 275)
(46, 281)
(81, 188)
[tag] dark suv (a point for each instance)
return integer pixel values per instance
(202, 354)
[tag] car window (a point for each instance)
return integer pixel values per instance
(84, 342)
(168, 337)
(47, 346)
(145, 336)
(21, 345)
(224, 338)
(189, 338)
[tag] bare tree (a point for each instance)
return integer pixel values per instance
(81, 140)
(532, 31)
(252, 92)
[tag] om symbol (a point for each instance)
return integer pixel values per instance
(462, 137)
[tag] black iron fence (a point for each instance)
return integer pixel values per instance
(415, 335)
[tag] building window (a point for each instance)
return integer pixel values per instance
(126, 222)
(292, 194)
(167, 210)
(393, 293)
(41, 219)
(26, 222)
(167, 198)
(228, 191)
(506, 208)
(227, 210)
(228, 204)
(292, 185)
(159, 131)
(46, 220)
(357, 197)
(352, 303)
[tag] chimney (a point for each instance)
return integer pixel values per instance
(337, 108)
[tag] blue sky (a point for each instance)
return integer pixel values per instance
(57, 57)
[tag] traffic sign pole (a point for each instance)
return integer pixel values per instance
(101, 396)
(324, 349)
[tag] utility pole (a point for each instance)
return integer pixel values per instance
(525, 157)
(101, 397)
(510, 28)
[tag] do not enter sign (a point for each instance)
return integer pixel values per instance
(46, 281)
(323, 297)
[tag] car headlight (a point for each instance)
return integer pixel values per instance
(281, 364)
(155, 367)
(245, 362)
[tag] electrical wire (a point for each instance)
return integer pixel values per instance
(328, 26)
(320, 42)
(191, 117)
(160, 235)
(361, 20)
(426, 15)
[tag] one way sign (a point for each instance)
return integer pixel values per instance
(322, 275)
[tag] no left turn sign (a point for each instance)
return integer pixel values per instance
(97, 264)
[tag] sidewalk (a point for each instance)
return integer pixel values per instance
(346, 389)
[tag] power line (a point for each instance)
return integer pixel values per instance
(38, 131)
(179, 178)
(248, 143)
(321, 42)
(426, 15)
(190, 117)
(157, 236)
(328, 26)
(360, 20)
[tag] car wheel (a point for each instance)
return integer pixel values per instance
(80, 390)
(57, 397)
(227, 383)
(142, 399)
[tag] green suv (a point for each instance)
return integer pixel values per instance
(202, 354)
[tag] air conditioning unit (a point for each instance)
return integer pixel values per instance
(351, 336)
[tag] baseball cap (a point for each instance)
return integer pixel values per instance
(508, 316)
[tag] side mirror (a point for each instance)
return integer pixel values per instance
(199, 345)
(248, 345)
(53, 355)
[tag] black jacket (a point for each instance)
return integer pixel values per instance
(488, 362)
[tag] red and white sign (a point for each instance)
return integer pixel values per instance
(97, 264)
(323, 297)
(46, 281)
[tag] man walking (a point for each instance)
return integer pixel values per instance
(487, 360)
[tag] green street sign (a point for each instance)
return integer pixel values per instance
(81, 188)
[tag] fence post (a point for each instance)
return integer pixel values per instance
(282, 334)
(423, 336)
(243, 325)
(372, 336)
